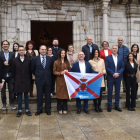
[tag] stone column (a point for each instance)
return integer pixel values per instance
(105, 10)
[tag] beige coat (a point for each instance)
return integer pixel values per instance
(98, 66)
(138, 71)
(72, 57)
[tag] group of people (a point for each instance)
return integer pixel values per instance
(25, 65)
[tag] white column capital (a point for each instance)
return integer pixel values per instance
(105, 6)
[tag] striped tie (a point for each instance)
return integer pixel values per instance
(43, 62)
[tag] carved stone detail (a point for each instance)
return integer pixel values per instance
(105, 9)
(52, 4)
(3, 5)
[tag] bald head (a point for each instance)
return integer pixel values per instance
(81, 56)
(120, 41)
(89, 40)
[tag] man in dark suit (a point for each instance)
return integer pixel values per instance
(82, 67)
(1, 73)
(87, 49)
(55, 49)
(114, 66)
(41, 67)
(6, 56)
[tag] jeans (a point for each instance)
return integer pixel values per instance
(26, 101)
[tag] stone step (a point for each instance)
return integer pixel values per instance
(33, 100)
(71, 106)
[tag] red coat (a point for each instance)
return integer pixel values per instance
(102, 53)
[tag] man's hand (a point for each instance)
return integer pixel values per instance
(6, 63)
(116, 75)
(1, 85)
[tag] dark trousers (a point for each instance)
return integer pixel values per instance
(123, 81)
(26, 101)
(62, 104)
(78, 104)
(10, 83)
(130, 82)
(117, 84)
(97, 102)
(104, 88)
(137, 89)
(43, 89)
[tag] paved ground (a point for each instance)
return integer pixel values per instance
(95, 126)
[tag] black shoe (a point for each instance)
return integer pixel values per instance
(124, 90)
(129, 109)
(96, 109)
(38, 113)
(48, 112)
(133, 109)
(78, 111)
(100, 109)
(86, 111)
(19, 114)
(54, 93)
(118, 109)
(28, 113)
(109, 109)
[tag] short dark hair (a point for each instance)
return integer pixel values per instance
(93, 52)
(55, 39)
(41, 46)
(49, 48)
(13, 46)
(133, 47)
(21, 46)
(70, 45)
(5, 41)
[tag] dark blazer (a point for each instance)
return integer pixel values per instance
(110, 67)
(88, 67)
(129, 69)
(56, 52)
(17, 55)
(42, 75)
(86, 50)
(1, 70)
(22, 74)
(7, 69)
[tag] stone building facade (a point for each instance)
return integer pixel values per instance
(100, 19)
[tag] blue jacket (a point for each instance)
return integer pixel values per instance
(125, 52)
(110, 67)
(88, 67)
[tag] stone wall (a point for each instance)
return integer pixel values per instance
(87, 21)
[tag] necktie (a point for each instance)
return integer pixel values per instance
(43, 62)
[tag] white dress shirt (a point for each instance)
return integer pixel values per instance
(16, 54)
(132, 64)
(82, 67)
(106, 53)
(115, 59)
(22, 59)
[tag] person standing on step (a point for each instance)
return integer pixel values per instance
(122, 52)
(60, 66)
(82, 66)
(6, 57)
(21, 73)
(87, 49)
(130, 81)
(114, 66)
(98, 64)
(41, 67)
(31, 52)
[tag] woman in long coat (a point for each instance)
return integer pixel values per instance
(60, 65)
